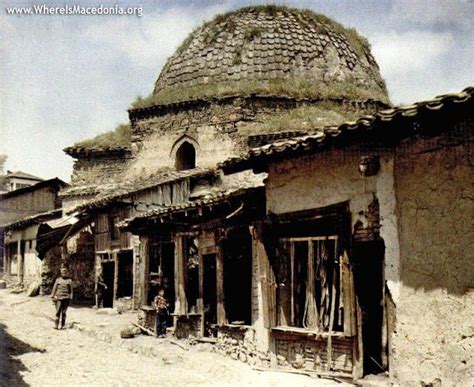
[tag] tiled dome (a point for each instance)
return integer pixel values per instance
(272, 50)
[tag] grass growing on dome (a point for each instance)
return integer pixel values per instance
(307, 118)
(121, 136)
(291, 87)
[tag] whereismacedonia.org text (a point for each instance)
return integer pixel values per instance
(42, 9)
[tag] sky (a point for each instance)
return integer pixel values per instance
(66, 78)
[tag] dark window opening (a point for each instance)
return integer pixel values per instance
(309, 284)
(237, 250)
(125, 274)
(185, 157)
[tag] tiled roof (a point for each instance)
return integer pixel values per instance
(341, 133)
(216, 197)
(34, 219)
(266, 43)
(122, 189)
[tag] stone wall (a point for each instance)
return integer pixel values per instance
(213, 128)
(239, 342)
(435, 335)
(218, 129)
(97, 169)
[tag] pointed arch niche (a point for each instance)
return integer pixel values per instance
(184, 153)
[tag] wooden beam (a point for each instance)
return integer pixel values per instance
(221, 315)
(200, 302)
(20, 262)
(358, 368)
(116, 274)
(180, 285)
(143, 269)
(348, 296)
(266, 277)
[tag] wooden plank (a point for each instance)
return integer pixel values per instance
(348, 295)
(261, 275)
(116, 274)
(221, 315)
(180, 279)
(358, 369)
(143, 268)
(292, 284)
(200, 301)
(331, 317)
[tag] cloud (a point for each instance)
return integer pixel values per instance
(435, 13)
(401, 53)
(147, 42)
(63, 79)
(418, 65)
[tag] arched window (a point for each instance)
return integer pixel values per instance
(185, 157)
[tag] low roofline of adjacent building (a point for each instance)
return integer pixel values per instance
(33, 219)
(188, 207)
(56, 182)
(347, 133)
(123, 192)
(23, 175)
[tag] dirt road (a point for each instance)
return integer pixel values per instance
(33, 353)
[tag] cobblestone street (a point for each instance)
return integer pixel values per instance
(90, 353)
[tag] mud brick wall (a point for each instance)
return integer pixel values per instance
(311, 354)
(434, 334)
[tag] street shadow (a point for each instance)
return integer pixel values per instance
(10, 368)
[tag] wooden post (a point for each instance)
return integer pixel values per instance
(180, 305)
(142, 269)
(19, 261)
(116, 274)
(200, 302)
(6, 259)
(348, 295)
(358, 368)
(221, 315)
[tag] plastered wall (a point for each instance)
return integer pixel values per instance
(435, 312)
(333, 177)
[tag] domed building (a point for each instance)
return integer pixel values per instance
(244, 79)
(249, 77)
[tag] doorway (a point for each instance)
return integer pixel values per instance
(209, 292)
(238, 276)
(368, 259)
(125, 274)
(108, 272)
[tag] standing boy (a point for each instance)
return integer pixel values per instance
(62, 295)
(161, 306)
